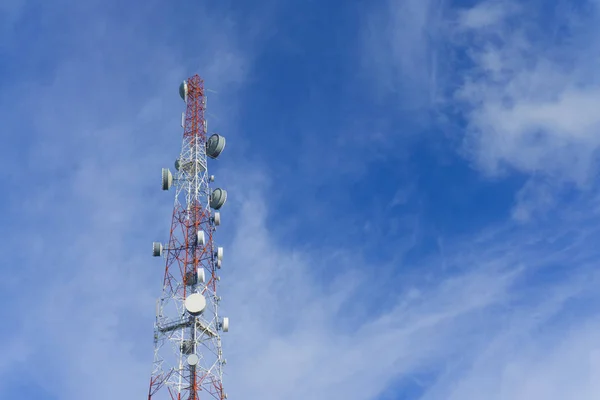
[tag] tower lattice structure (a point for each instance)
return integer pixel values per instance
(188, 360)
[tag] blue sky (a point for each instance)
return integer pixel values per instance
(413, 209)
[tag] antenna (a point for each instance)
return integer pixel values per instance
(187, 331)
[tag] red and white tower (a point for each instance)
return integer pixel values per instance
(188, 361)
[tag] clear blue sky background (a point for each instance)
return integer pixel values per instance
(412, 211)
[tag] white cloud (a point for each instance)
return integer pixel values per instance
(530, 96)
(297, 338)
(398, 52)
(292, 336)
(539, 352)
(486, 14)
(533, 200)
(522, 77)
(83, 291)
(80, 282)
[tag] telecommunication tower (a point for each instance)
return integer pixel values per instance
(188, 361)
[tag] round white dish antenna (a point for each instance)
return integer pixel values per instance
(201, 275)
(183, 90)
(212, 178)
(195, 303)
(215, 145)
(217, 218)
(157, 249)
(225, 324)
(219, 253)
(193, 360)
(167, 179)
(217, 198)
(201, 238)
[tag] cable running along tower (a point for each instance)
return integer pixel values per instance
(188, 362)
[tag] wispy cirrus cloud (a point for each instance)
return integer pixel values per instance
(309, 320)
(497, 294)
(522, 82)
(399, 49)
(530, 88)
(513, 85)
(522, 76)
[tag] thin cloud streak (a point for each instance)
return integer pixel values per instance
(399, 50)
(529, 94)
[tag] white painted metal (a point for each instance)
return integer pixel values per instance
(195, 303)
(167, 179)
(193, 360)
(183, 91)
(157, 249)
(201, 238)
(217, 198)
(215, 145)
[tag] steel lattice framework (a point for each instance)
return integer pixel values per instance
(188, 361)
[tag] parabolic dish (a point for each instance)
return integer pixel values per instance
(217, 198)
(157, 249)
(193, 359)
(201, 238)
(183, 90)
(167, 179)
(201, 275)
(215, 145)
(195, 304)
